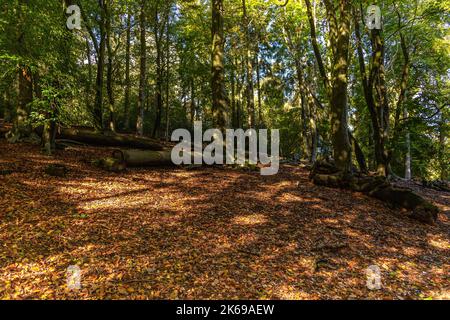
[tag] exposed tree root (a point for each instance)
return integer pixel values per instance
(436, 185)
(325, 174)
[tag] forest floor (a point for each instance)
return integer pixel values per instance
(208, 233)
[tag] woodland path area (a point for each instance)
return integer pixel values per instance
(205, 233)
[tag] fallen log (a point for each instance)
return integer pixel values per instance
(143, 158)
(323, 174)
(110, 140)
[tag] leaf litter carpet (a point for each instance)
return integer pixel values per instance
(205, 233)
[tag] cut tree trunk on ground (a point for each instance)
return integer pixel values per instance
(143, 158)
(377, 187)
(110, 140)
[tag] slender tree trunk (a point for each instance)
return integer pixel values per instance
(109, 75)
(304, 102)
(307, 103)
(193, 106)
(168, 75)
(89, 80)
(249, 61)
(443, 148)
(219, 100)
(377, 108)
(143, 72)
(127, 73)
(377, 84)
(313, 119)
(49, 132)
(98, 107)
(258, 87)
(403, 83)
(400, 103)
(7, 112)
(159, 75)
(372, 160)
(233, 97)
(241, 95)
(316, 48)
(21, 127)
(408, 173)
(315, 139)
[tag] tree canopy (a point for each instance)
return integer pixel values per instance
(313, 69)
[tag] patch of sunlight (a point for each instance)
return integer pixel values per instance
(132, 203)
(439, 244)
(412, 251)
(250, 220)
(321, 209)
(439, 295)
(27, 270)
(331, 221)
(439, 271)
(287, 292)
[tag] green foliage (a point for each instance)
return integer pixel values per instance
(64, 67)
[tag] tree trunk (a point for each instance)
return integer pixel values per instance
(408, 173)
(21, 127)
(7, 111)
(304, 106)
(89, 80)
(143, 72)
(443, 148)
(143, 158)
(360, 158)
(49, 137)
(249, 62)
(219, 100)
(339, 95)
(167, 76)
(127, 73)
(192, 106)
(258, 87)
(377, 111)
(109, 75)
(336, 90)
(159, 74)
(98, 107)
(316, 48)
(111, 140)
(378, 78)
(233, 97)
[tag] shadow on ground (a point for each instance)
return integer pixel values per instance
(210, 233)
